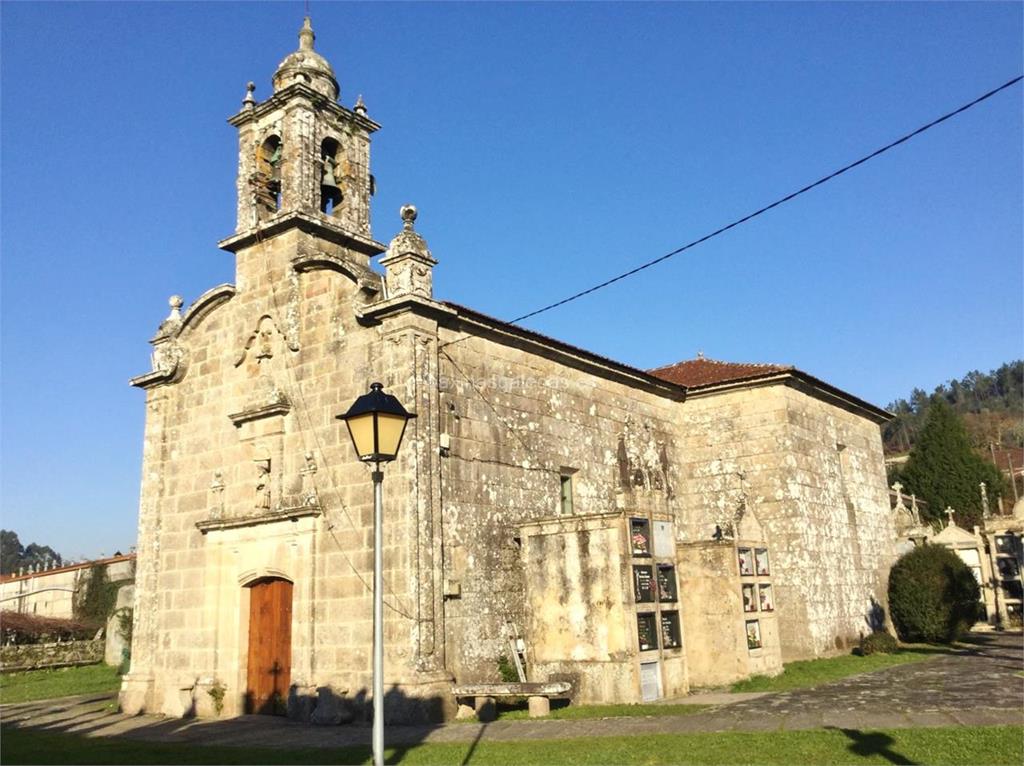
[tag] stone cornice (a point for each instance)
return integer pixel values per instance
(257, 413)
(804, 383)
(298, 90)
(318, 225)
(485, 327)
(366, 278)
(282, 514)
(152, 378)
(409, 302)
(203, 305)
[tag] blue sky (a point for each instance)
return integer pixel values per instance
(547, 146)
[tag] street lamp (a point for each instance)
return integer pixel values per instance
(376, 422)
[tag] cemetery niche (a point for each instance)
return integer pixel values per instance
(753, 634)
(670, 634)
(667, 583)
(746, 558)
(640, 536)
(643, 584)
(646, 631)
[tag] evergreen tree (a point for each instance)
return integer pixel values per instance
(944, 471)
(14, 555)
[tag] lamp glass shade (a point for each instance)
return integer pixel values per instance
(376, 422)
(390, 429)
(360, 428)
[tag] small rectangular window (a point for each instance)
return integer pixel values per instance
(566, 505)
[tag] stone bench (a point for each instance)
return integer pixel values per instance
(481, 699)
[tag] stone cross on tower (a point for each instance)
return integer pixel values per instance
(949, 512)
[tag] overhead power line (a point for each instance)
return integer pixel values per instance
(775, 204)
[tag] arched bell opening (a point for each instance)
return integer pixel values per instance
(269, 157)
(330, 188)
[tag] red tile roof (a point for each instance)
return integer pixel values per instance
(700, 373)
(694, 373)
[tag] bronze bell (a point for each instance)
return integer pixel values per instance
(329, 191)
(275, 163)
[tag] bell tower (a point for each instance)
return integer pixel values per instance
(303, 158)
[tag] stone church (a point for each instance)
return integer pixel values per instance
(634, 532)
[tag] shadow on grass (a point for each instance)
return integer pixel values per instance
(867, 744)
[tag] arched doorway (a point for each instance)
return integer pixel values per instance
(270, 646)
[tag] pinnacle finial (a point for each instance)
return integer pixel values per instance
(360, 107)
(175, 302)
(250, 100)
(408, 213)
(306, 36)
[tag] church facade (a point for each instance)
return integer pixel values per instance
(633, 532)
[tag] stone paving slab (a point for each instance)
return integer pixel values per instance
(976, 687)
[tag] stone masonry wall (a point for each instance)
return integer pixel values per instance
(518, 422)
(59, 655)
(814, 477)
(292, 337)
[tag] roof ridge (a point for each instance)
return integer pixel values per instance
(723, 361)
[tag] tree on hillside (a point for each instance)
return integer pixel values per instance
(944, 471)
(13, 555)
(990, 404)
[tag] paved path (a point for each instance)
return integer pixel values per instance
(979, 686)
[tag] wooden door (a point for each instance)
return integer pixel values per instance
(270, 646)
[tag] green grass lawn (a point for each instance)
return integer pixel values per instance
(806, 673)
(950, 746)
(519, 711)
(59, 682)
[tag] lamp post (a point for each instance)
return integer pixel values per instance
(376, 422)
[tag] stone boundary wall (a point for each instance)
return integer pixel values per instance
(61, 655)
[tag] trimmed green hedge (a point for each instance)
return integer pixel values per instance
(933, 596)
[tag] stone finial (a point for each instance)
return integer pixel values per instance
(250, 100)
(307, 67)
(306, 35)
(175, 302)
(897, 488)
(408, 261)
(408, 213)
(360, 107)
(985, 510)
(949, 512)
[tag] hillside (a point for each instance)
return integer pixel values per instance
(990, 405)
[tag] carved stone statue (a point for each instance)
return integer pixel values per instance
(309, 493)
(263, 485)
(217, 490)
